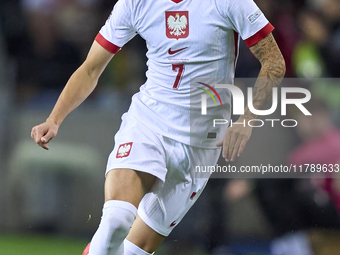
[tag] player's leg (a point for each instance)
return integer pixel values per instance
(136, 147)
(128, 185)
(162, 209)
(142, 240)
(124, 188)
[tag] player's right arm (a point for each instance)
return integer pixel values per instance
(78, 88)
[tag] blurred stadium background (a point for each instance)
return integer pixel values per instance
(50, 201)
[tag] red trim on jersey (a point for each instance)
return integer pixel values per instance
(266, 30)
(106, 44)
(236, 47)
(177, 1)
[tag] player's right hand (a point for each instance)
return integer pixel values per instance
(44, 133)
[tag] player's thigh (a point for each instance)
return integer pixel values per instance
(144, 237)
(127, 185)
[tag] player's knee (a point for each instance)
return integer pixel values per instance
(118, 225)
(118, 216)
(115, 224)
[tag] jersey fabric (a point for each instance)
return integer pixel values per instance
(186, 40)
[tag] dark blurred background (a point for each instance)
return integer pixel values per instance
(60, 192)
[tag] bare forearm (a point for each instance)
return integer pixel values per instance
(271, 74)
(77, 89)
(81, 84)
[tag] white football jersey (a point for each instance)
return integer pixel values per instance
(186, 40)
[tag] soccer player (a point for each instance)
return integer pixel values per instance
(150, 167)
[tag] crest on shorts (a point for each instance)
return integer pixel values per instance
(177, 24)
(124, 150)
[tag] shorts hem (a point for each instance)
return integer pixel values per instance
(136, 168)
(156, 227)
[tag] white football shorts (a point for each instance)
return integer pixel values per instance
(172, 162)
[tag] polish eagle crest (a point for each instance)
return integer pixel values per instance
(177, 24)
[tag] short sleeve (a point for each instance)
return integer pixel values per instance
(118, 29)
(248, 20)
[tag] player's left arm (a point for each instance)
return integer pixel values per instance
(271, 74)
(273, 69)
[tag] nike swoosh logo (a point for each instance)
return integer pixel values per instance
(171, 52)
(173, 223)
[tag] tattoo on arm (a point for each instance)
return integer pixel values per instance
(271, 74)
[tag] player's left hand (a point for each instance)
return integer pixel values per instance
(235, 139)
